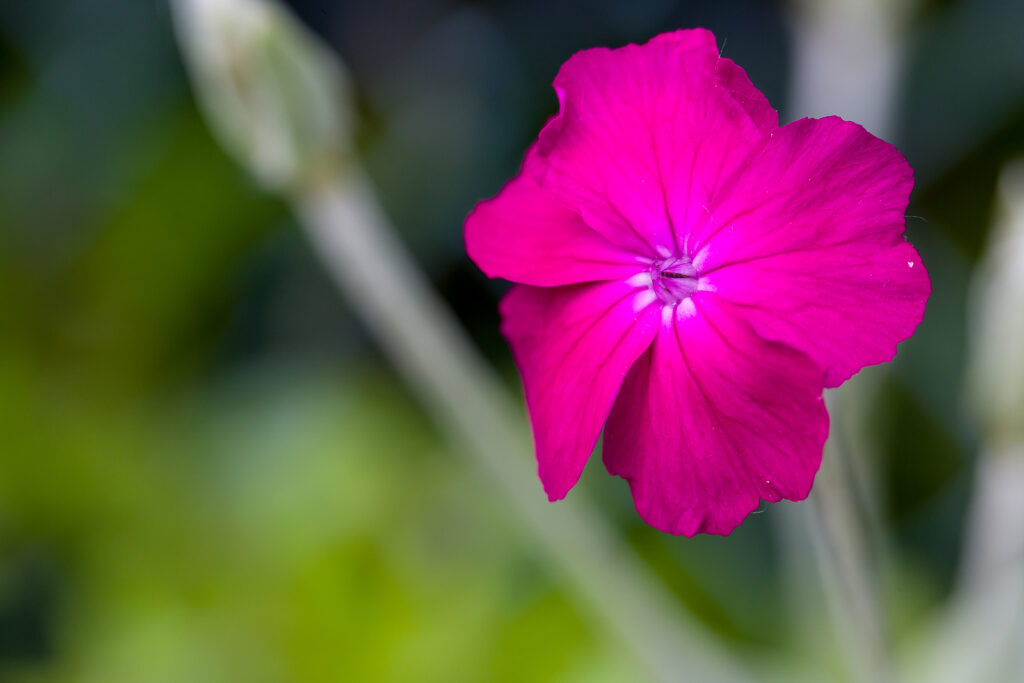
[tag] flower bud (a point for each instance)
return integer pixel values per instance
(274, 95)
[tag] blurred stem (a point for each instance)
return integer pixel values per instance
(980, 638)
(845, 556)
(417, 330)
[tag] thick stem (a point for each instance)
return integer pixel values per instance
(416, 329)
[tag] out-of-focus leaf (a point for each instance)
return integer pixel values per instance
(162, 267)
(288, 527)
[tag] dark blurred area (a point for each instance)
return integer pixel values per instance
(207, 470)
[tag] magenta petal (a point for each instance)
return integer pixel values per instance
(524, 236)
(573, 346)
(643, 135)
(845, 307)
(730, 76)
(808, 238)
(712, 419)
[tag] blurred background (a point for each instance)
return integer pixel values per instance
(208, 470)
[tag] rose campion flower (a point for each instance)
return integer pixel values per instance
(691, 276)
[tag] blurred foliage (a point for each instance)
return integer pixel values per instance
(206, 473)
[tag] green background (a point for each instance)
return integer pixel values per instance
(208, 472)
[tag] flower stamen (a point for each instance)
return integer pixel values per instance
(674, 279)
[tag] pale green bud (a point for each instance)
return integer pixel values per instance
(274, 95)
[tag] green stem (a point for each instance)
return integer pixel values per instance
(845, 556)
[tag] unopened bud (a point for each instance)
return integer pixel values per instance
(274, 95)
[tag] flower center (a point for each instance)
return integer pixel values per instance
(673, 279)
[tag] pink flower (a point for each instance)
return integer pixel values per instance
(692, 276)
